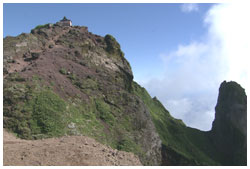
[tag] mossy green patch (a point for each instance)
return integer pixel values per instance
(86, 83)
(113, 47)
(63, 71)
(16, 77)
(34, 111)
(40, 27)
(48, 112)
(83, 115)
(104, 111)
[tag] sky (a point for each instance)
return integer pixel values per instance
(179, 52)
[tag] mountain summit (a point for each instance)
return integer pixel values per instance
(64, 80)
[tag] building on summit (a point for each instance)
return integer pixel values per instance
(65, 22)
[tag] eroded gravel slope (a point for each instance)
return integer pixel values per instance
(63, 151)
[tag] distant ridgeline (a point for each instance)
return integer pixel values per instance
(63, 80)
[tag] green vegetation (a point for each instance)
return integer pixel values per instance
(48, 111)
(37, 110)
(88, 85)
(112, 44)
(42, 26)
(16, 77)
(104, 112)
(38, 27)
(113, 47)
(82, 114)
(63, 71)
(34, 111)
(191, 145)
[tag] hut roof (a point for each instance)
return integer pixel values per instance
(65, 19)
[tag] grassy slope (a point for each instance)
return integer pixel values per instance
(34, 111)
(41, 113)
(192, 146)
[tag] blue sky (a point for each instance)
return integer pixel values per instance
(178, 52)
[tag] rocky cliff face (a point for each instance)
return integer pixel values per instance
(67, 81)
(229, 131)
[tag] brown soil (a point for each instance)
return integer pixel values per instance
(63, 151)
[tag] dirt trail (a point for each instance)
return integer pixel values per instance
(63, 151)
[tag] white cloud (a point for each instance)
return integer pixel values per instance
(182, 106)
(189, 88)
(230, 24)
(189, 7)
